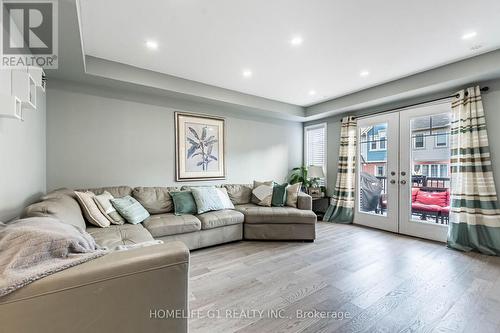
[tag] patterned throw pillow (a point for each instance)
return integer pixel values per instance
(103, 201)
(262, 193)
(292, 194)
(90, 210)
(130, 209)
(207, 199)
(183, 202)
(279, 195)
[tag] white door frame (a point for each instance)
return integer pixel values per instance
(388, 222)
(431, 231)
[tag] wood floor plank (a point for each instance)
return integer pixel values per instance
(376, 281)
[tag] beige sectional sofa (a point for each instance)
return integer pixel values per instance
(117, 292)
(246, 221)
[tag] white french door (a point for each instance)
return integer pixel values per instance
(403, 175)
(377, 200)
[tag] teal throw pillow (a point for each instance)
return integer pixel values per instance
(130, 209)
(183, 202)
(279, 195)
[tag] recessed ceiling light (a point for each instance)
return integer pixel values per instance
(247, 73)
(469, 35)
(152, 45)
(364, 73)
(312, 92)
(296, 41)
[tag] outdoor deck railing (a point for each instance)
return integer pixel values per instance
(424, 182)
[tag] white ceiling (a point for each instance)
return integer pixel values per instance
(214, 41)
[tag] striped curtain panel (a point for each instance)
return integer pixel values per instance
(474, 216)
(341, 209)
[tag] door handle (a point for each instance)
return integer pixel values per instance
(393, 181)
(403, 182)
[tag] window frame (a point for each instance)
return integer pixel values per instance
(323, 125)
(415, 141)
(383, 171)
(382, 138)
(447, 139)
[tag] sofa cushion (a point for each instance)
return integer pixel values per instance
(420, 207)
(277, 215)
(156, 200)
(116, 235)
(59, 192)
(170, 224)
(61, 207)
(242, 208)
(220, 218)
(115, 191)
(239, 193)
(432, 198)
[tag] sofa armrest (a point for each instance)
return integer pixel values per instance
(124, 291)
(304, 201)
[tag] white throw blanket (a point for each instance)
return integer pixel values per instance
(33, 248)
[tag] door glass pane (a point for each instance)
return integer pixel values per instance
(372, 169)
(430, 162)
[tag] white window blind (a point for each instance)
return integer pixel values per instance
(315, 147)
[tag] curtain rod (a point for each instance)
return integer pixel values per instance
(483, 89)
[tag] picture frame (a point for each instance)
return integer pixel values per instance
(315, 192)
(199, 147)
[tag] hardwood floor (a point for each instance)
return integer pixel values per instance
(379, 282)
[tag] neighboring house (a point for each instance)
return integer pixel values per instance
(374, 149)
(430, 149)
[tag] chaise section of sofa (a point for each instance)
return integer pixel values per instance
(119, 292)
(280, 223)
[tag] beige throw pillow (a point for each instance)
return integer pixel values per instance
(90, 209)
(103, 202)
(292, 194)
(262, 193)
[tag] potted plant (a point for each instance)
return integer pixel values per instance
(301, 175)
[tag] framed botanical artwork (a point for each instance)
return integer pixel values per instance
(199, 144)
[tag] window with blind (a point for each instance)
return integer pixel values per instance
(315, 147)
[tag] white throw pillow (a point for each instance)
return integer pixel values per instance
(224, 198)
(292, 194)
(103, 201)
(207, 199)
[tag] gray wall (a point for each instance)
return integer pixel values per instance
(22, 160)
(491, 103)
(98, 138)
